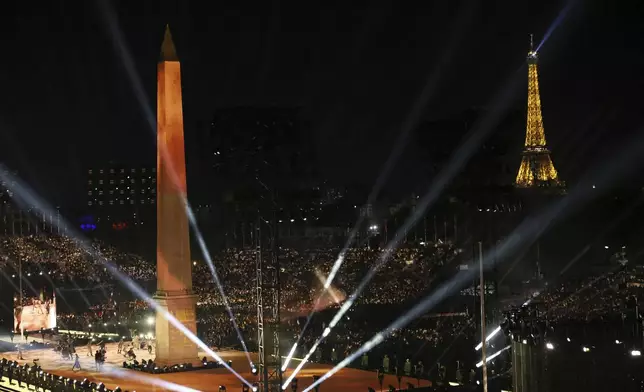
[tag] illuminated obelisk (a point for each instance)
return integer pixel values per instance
(174, 273)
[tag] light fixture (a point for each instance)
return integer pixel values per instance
(585, 349)
(550, 346)
(636, 353)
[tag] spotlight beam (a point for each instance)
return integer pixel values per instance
(120, 46)
(430, 87)
(526, 232)
(157, 382)
(556, 23)
(487, 339)
(34, 200)
(456, 163)
(460, 280)
(491, 357)
(213, 271)
(176, 323)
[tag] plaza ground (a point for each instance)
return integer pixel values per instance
(113, 374)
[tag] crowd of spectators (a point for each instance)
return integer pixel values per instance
(63, 259)
(605, 296)
(404, 277)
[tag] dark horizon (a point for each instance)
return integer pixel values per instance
(69, 102)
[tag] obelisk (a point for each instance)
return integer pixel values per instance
(174, 272)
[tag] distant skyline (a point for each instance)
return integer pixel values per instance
(68, 102)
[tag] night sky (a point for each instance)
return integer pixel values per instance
(69, 102)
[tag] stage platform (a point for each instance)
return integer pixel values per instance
(113, 374)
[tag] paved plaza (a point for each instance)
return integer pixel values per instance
(113, 374)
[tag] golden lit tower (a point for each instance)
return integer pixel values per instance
(536, 168)
(174, 270)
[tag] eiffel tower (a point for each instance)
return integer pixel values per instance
(536, 170)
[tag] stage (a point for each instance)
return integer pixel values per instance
(113, 374)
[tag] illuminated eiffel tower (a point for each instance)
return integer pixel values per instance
(536, 170)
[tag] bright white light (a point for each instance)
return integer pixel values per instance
(605, 246)
(525, 341)
(550, 346)
(491, 357)
(636, 353)
(164, 385)
(334, 271)
(376, 340)
(568, 339)
(32, 199)
(617, 342)
(288, 357)
(327, 331)
(490, 336)
(171, 319)
(585, 349)
(150, 320)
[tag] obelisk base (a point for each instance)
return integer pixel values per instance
(173, 347)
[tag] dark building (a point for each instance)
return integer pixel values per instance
(115, 192)
(272, 145)
(18, 218)
(250, 156)
(484, 183)
(121, 204)
(491, 164)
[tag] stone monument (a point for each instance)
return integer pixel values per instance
(174, 271)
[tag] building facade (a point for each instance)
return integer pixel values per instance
(121, 204)
(116, 188)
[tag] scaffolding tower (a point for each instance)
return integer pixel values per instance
(268, 299)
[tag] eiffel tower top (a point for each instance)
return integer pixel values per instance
(535, 136)
(168, 51)
(533, 57)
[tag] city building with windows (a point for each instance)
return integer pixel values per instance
(117, 187)
(121, 197)
(18, 218)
